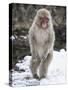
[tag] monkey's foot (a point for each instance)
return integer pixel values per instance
(36, 76)
(42, 77)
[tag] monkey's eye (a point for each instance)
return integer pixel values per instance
(44, 18)
(47, 19)
(40, 18)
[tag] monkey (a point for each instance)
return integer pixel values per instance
(41, 41)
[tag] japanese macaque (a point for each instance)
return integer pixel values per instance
(41, 40)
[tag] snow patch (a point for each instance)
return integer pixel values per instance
(56, 71)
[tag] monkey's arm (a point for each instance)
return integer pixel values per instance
(48, 48)
(32, 42)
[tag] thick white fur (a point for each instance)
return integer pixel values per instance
(41, 44)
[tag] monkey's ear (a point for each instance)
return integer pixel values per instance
(38, 24)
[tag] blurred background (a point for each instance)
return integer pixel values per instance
(22, 18)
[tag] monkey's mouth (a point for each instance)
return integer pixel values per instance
(44, 25)
(44, 22)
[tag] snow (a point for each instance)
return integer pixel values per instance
(23, 37)
(12, 37)
(56, 72)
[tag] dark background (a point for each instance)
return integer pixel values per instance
(22, 18)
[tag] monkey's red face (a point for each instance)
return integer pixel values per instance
(44, 22)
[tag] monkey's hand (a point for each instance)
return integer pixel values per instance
(48, 47)
(44, 56)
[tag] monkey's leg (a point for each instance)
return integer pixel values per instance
(44, 65)
(34, 66)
